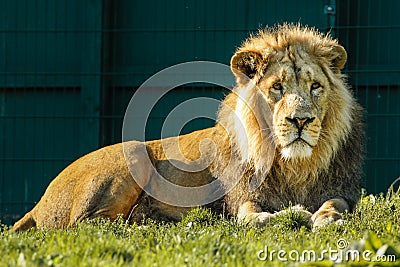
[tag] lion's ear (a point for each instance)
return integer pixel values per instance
(244, 65)
(338, 57)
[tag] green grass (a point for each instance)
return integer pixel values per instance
(206, 239)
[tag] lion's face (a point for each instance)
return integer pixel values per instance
(297, 75)
(296, 90)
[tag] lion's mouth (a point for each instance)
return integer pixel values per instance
(299, 140)
(297, 145)
(298, 148)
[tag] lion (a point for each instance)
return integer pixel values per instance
(289, 134)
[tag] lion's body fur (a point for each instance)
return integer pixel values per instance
(101, 184)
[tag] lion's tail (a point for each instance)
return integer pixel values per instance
(25, 223)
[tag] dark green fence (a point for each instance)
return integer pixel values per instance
(69, 68)
(370, 30)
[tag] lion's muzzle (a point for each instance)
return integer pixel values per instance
(296, 127)
(304, 129)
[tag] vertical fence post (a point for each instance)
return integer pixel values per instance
(91, 79)
(330, 12)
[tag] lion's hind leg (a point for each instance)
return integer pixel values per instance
(113, 191)
(114, 196)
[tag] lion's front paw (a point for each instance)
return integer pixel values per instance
(330, 212)
(262, 219)
(324, 217)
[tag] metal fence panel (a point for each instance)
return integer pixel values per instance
(50, 75)
(147, 36)
(370, 30)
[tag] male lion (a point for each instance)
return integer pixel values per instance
(307, 151)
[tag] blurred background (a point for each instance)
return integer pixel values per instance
(68, 69)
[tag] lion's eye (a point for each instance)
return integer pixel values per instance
(277, 86)
(315, 85)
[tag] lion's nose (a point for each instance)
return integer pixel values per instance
(300, 122)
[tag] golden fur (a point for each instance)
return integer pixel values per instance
(289, 133)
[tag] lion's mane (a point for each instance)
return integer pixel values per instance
(333, 169)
